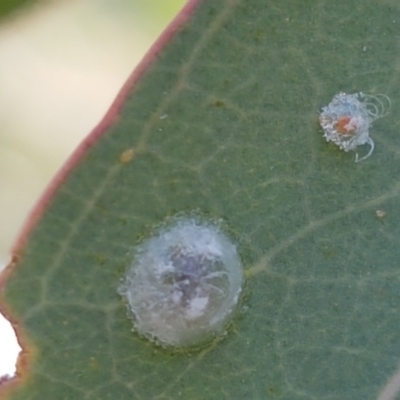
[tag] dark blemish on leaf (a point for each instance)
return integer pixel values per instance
(123, 221)
(212, 12)
(273, 391)
(259, 34)
(329, 253)
(226, 83)
(100, 207)
(219, 103)
(99, 259)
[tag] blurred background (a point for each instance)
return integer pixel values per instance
(61, 65)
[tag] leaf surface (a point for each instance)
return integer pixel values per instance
(225, 121)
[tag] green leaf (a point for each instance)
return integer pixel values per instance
(224, 122)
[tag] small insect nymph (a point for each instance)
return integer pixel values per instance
(346, 120)
(184, 283)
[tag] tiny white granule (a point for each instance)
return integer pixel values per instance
(346, 120)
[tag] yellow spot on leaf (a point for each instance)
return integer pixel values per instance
(126, 156)
(93, 363)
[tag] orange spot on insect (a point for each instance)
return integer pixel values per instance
(344, 126)
(346, 120)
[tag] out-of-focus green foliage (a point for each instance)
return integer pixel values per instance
(8, 6)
